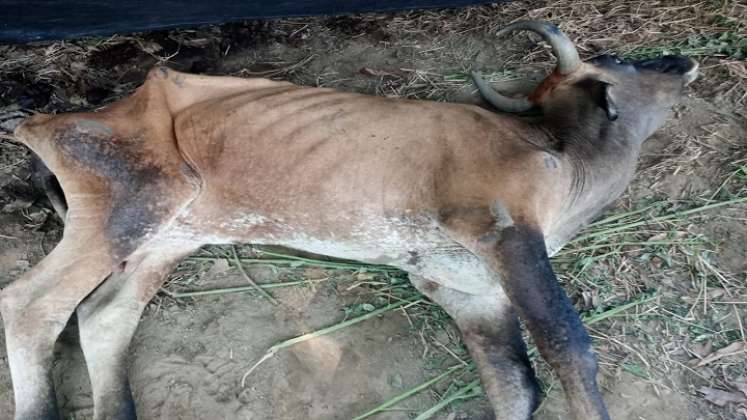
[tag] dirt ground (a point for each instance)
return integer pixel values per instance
(674, 350)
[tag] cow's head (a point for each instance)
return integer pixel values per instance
(626, 99)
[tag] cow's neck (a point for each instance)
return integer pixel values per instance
(603, 156)
(603, 163)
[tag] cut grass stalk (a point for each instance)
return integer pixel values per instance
(593, 319)
(619, 216)
(324, 331)
(313, 261)
(664, 218)
(303, 261)
(490, 77)
(251, 281)
(531, 352)
(470, 390)
(410, 392)
(240, 289)
(616, 244)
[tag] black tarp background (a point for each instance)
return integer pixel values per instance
(33, 20)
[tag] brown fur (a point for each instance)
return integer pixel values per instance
(468, 201)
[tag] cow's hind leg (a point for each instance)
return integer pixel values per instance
(108, 319)
(492, 334)
(36, 308)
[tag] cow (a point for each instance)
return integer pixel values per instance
(470, 202)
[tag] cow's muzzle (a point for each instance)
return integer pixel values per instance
(674, 64)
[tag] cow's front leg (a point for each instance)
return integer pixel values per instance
(36, 308)
(518, 254)
(107, 320)
(492, 334)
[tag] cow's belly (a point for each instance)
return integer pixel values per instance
(416, 245)
(448, 264)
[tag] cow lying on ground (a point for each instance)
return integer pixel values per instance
(469, 202)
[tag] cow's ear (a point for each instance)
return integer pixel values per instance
(599, 93)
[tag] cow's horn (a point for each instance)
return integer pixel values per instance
(562, 47)
(500, 102)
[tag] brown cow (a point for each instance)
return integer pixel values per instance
(469, 202)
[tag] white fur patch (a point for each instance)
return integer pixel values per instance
(243, 220)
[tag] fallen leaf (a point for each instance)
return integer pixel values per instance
(721, 397)
(732, 349)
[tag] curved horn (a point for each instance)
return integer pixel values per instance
(500, 102)
(562, 47)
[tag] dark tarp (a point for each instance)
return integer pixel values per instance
(33, 20)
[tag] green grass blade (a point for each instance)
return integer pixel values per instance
(460, 394)
(593, 319)
(324, 331)
(664, 218)
(531, 352)
(407, 394)
(240, 289)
